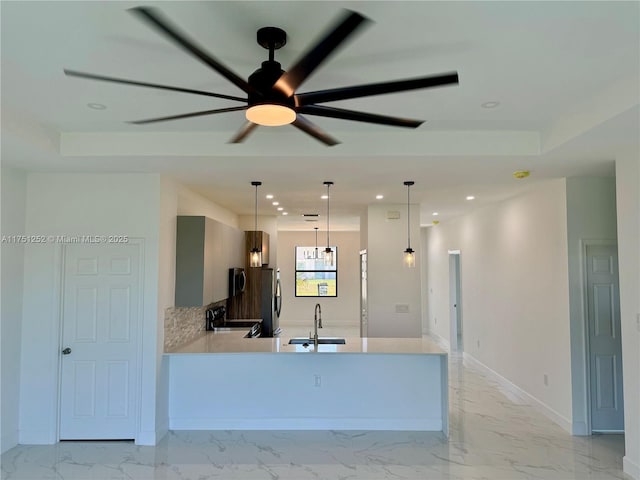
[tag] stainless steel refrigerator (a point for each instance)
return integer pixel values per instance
(270, 302)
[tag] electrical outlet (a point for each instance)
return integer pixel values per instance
(545, 378)
(317, 380)
(402, 308)
(435, 320)
(478, 343)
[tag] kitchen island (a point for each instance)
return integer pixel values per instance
(222, 381)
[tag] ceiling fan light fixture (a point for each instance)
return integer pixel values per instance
(271, 114)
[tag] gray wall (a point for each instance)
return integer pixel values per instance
(591, 217)
(14, 188)
(391, 285)
(515, 299)
(342, 310)
(628, 207)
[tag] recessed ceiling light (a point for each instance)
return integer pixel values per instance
(275, 203)
(269, 197)
(324, 197)
(97, 106)
(285, 213)
(492, 104)
(435, 214)
(280, 209)
(470, 197)
(379, 197)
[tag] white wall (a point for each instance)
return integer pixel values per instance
(82, 204)
(591, 216)
(192, 203)
(390, 283)
(343, 310)
(515, 298)
(168, 201)
(628, 206)
(14, 188)
(175, 199)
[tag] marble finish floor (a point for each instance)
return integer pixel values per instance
(493, 436)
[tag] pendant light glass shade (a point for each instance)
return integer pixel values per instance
(328, 252)
(255, 255)
(409, 258)
(255, 258)
(315, 254)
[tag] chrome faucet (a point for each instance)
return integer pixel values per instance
(317, 323)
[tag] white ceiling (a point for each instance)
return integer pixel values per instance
(566, 75)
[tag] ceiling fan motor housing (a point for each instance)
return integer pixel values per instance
(263, 80)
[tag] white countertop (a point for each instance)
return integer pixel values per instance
(233, 341)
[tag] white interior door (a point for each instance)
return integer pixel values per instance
(455, 306)
(101, 295)
(605, 347)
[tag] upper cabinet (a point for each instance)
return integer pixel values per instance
(205, 250)
(259, 239)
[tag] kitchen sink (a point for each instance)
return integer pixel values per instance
(321, 341)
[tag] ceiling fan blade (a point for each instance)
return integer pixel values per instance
(356, 91)
(154, 18)
(315, 131)
(244, 132)
(91, 76)
(188, 115)
(359, 116)
(289, 82)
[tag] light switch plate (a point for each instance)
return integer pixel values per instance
(402, 308)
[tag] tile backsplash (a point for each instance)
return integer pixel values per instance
(183, 324)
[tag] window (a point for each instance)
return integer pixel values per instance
(313, 277)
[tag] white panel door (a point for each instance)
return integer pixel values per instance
(603, 312)
(101, 295)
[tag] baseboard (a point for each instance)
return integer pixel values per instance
(538, 404)
(580, 429)
(151, 437)
(36, 437)
(630, 467)
(399, 424)
(442, 342)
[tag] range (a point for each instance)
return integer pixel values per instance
(216, 321)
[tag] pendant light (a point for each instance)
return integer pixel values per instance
(255, 255)
(328, 253)
(409, 254)
(315, 255)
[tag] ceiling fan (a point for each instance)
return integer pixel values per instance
(271, 92)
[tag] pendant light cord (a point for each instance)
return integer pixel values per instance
(408, 218)
(328, 185)
(408, 183)
(255, 230)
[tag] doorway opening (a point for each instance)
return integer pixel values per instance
(364, 327)
(455, 303)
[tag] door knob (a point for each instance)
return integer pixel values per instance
(66, 351)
